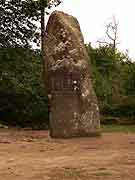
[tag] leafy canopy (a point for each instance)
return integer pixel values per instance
(16, 28)
(18, 21)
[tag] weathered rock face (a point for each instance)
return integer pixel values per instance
(73, 104)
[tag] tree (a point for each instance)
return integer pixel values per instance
(16, 29)
(18, 25)
(128, 74)
(43, 4)
(22, 99)
(18, 21)
(113, 80)
(41, 8)
(111, 34)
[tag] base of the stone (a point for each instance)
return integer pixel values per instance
(79, 135)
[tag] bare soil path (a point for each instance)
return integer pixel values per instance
(32, 155)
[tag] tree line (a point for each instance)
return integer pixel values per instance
(23, 101)
(113, 79)
(22, 98)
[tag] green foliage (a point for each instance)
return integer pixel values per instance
(113, 75)
(118, 128)
(16, 27)
(22, 98)
(128, 73)
(18, 21)
(123, 108)
(23, 102)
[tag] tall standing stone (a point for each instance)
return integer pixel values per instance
(73, 104)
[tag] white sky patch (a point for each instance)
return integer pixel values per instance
(93, 16)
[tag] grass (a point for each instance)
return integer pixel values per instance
(118, 128)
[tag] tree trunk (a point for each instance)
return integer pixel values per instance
(44, 62)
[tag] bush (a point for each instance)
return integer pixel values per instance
(22, 99)
(23, 110)
(124, 108)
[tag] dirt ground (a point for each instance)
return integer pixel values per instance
(32, 155)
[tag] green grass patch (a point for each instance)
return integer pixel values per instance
(118, 128)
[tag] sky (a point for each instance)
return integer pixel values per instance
(93, 15)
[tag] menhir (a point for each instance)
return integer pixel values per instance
(73, 103)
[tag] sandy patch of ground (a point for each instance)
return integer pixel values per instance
(32, 155)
